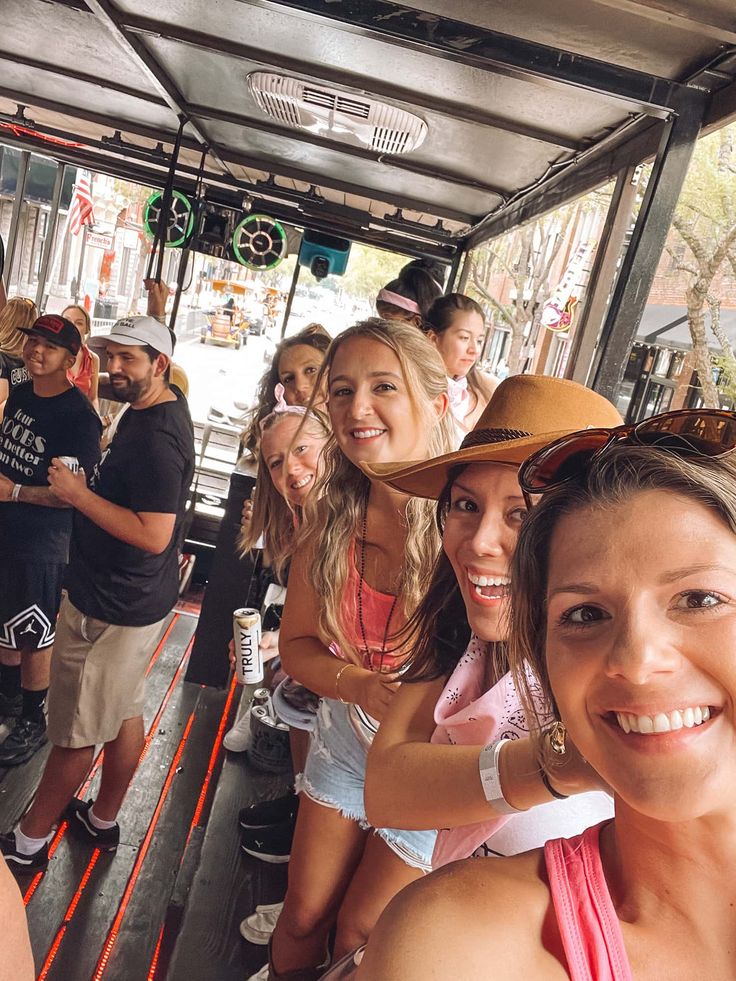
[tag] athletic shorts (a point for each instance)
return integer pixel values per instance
(334, 776)
(98, 673)
(30, 594)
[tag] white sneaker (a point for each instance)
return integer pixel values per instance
(258, 927)
(261, 975)
(238, 738)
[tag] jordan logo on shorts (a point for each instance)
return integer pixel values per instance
(29, 621)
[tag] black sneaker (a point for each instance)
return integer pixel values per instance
(266, 813)
(10, 705)
(27, 737)
(37, 862)
(77, 814)
(271, 845)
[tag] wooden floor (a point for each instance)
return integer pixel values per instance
(167, 905)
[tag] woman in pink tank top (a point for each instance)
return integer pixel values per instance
(632, 550)
(85, 372)
(362, 565)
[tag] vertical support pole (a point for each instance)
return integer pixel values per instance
(80, 267)
(647, 242)
(20, 192)
(48, 245)
(464, 272)
(290, 298)
(455, 269)
(602, 276)
(159, 242)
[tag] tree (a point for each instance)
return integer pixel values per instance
(705, 221)
(526, 256)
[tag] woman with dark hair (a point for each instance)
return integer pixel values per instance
(624, 611)
(295, 365)
(427, 766)
(456, 326)
(409, 296)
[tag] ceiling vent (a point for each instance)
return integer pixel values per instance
(328, 112)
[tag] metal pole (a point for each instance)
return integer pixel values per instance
(650, 233)
(290, 298)
(454, 270)
(464, 272)
(159, 240)
(20, 190)
(82, 250)
(602, 276)
(48, 245)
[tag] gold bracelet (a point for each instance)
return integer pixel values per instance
(337, 681)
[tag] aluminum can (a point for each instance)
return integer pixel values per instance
(269, 745)
(70, 461)
(247, 640)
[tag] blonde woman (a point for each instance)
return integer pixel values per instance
(18, 312)
(362, 566)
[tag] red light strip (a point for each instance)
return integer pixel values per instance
(212, 761)
(71, 909)
(154, 963)
(140, 857)
(27, 131)
(100, 756)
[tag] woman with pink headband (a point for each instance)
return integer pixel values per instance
(408, 297)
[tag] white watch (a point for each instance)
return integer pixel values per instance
(491, 780)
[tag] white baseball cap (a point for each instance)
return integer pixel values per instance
(137, 331)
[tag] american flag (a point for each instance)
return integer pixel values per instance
(81, 212)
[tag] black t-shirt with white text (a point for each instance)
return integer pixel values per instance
(33, 431)
(13, 370)
(147, 467)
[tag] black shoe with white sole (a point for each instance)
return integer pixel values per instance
(267, 813)
(37, 862)
(77, 814)
(271, 845)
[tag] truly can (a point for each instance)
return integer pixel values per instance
(247, 640)
(70, 461)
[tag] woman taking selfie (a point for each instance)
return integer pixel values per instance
(633, 550)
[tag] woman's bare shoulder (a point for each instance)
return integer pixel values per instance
(460, 920)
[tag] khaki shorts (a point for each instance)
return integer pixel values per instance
(98, 673)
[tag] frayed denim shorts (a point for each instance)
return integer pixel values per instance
(334, 776)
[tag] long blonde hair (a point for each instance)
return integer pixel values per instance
(273, 517)
(17, 312)
(334, 510)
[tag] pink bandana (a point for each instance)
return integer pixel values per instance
(457, 390)
(396, 300)
(282, 407)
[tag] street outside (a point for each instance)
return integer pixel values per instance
(221, 376)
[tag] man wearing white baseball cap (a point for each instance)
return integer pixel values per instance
(122, 583)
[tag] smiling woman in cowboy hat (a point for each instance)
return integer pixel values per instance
(428, 767)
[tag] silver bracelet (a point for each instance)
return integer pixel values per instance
(491, 779)
(15, 493)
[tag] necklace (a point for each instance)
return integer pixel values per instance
(366, 651)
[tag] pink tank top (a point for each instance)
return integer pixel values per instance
(586, 918)
(83, 379)
(377, 608)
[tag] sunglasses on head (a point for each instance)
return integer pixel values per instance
(699, 432)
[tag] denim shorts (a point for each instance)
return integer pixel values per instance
(334, 776)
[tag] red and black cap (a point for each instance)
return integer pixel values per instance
(56, 330)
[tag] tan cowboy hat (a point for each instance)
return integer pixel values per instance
(525, 413)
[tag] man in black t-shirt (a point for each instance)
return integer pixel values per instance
(122, 582)
(44, 418)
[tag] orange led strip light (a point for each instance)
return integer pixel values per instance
(140, 857)
(71, 909)
(61, 830)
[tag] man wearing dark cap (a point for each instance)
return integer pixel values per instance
(45, 417)
(122, 583)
